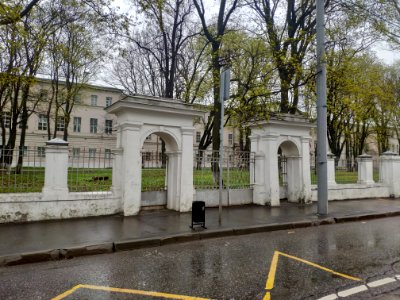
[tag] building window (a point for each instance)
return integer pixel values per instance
(93, 100)
(108, 101)
(92, 152)
(76, 152)
(198, 136)
(77, 124)
(7, 119)
(107, 153)
(60, 124)
(42, 125)
(77, 99)
(41, 151)
(23, 151)
(108, 128)
(230, 139)
(93, 125)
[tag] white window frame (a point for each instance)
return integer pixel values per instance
(93, 125)
(108, 101)
(77, 124)
(60, 124)
(76, 152)
(198, 136)
(107, 127)
(42, 122)
(92, 152)
(230, 139)
(41, 151)
(93, 100)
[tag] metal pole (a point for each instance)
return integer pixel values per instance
(322, 164)
(224, 82)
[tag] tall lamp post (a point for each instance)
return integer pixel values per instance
(322, 164)
(224, 82)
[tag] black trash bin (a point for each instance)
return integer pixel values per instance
(198, 214)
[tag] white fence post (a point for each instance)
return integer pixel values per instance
(389, 172)
(365, 169)
(56, 170)
(331, 169)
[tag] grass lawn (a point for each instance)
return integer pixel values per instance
(86, 180)
(343, 177)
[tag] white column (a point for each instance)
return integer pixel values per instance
(306, 168)
(117, 172)
(389, 172)
(186, 173)
(259, 196)
(294, 179)
(365, 169)
(271, 169)
(131, 174)
(56, 170)
(331, 169)
(174, 182)
(253, 149)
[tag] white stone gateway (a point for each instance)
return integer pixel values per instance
(172, 120)
(291, 134)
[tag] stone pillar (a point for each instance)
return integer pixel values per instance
(389, 172)
(306, 169)
(365, 169)
(331, 169)
(253, 147)
(186, 170)
(271, 168)
(174, 180)
(131, 168)
(259, 196)
(117, 176)
(56, 170)
(294, 179)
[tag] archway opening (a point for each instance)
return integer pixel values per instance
(289, 168)
(156, 173)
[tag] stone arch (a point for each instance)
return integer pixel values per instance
(290, 160)
(171, 140)
(290, 134)
(137, 117)
(288, 147)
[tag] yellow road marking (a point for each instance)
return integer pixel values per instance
(67, 293)
(126, 291)
(274, 263)
(272, 270)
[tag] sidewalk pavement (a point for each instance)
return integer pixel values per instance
(52, 240)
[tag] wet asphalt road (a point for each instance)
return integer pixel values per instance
(227, 268)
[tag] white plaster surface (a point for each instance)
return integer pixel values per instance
(353, 191)
(33, 207)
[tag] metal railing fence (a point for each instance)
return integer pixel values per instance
(90, 170)
(346, 170)
(237, 166)
(154, 171)
(21, 170)
(282, 168)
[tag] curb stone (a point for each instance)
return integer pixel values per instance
(87, 250)
(136, 244)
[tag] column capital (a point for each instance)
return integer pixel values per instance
(187, 130)
(133, 126)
